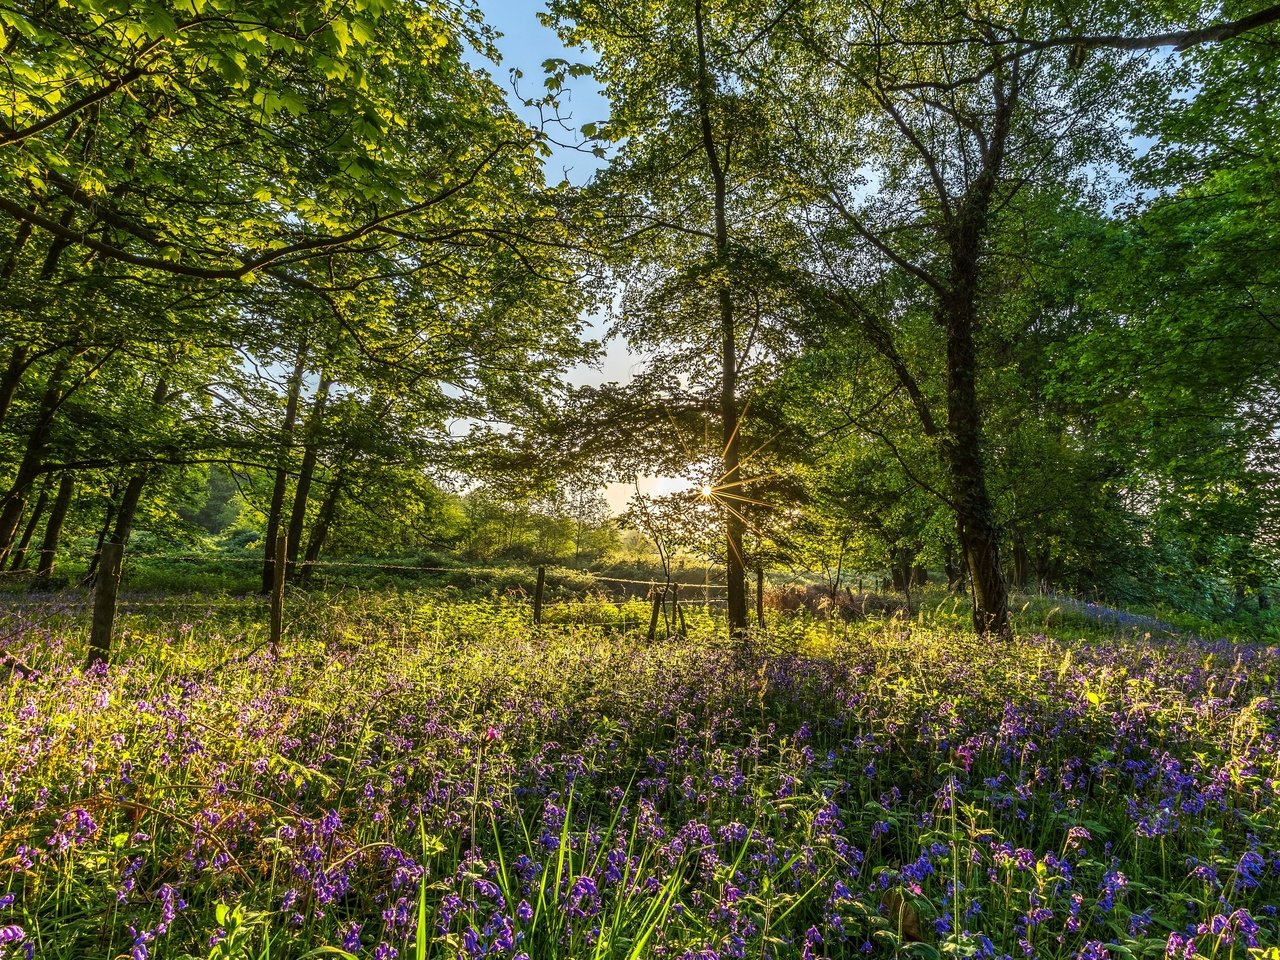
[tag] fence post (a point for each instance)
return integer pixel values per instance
(537, 596)
(278, 571)
(104, 603)
(658, 598)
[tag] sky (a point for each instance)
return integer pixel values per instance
(525, 43)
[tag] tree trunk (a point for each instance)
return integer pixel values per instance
(11, 378)
(306, 473)
(975, 520)
(731, 481)
(20, 553)
(320, 530)
(92, 572)
(1021, 562)
(953, 569)
(20, 359)
(32, 459)
(53, 531)
(20, 239)
(282, 469)
(901, 570)
(133, 490)
(128, 508)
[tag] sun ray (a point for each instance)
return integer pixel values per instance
(737, 424)
(675, 430)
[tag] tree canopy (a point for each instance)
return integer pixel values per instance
(939, 288)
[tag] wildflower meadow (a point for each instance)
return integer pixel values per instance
(411, 777)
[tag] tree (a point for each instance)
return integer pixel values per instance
(221, 140)
(1180, 370)
(333, 190)
(682, 201)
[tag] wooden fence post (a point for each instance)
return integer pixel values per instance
(658, 599)
(278, 572)
(104, 603)
(537, 596)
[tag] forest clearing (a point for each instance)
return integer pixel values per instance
(681, 479)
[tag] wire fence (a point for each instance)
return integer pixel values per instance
(488, 575)
(567, 598)
(24, 617)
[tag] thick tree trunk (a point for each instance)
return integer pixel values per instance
(276, 510)
(20, 552)
(306, 473)
(731, 481)
(975, 519)
(53, 531)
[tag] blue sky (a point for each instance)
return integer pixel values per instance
(525, 43)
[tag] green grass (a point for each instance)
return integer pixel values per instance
(436, 777)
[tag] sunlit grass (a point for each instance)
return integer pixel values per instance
(426, 778)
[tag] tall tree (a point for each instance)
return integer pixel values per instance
(681, 196)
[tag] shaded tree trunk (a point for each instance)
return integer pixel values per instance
(1046, 567)
(20, 553)
(953, 569)
(53, 531)
(91, 574)
(21, 357)
(128, 507)
(20, 238)
(1021, 562)
(306, 473)
(133, 489)
(32, 459)
(276, 510)
(324, 520)
(958, 313)
(900, 571)
(975, 520)
(10, 379)
(731, 482)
